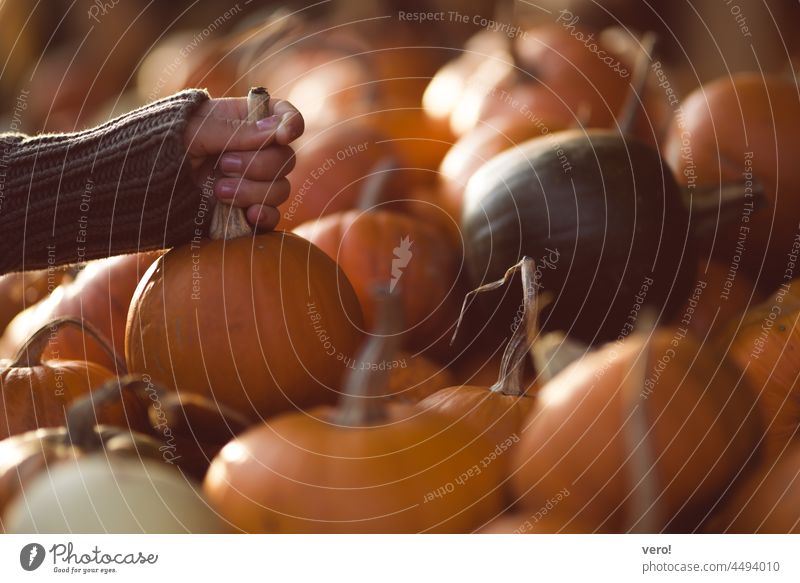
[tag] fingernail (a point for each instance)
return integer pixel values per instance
(267, 123)
(230, 163)
(225, 189)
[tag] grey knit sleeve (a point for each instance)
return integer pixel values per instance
(121, 187)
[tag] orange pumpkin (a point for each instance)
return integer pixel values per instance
(768, 502)
(766, 344)
(99, 295)
(260, 323)
(500, 410)
(535, 523)
(35, 392)
(575, 74)
(646, 433)
(736, 127)
(330, 165)
(20, 290)
(719, 297)
(270, 324)
(375, 247)
(416, 377)
(364, 466)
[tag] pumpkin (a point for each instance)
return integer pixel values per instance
(546, 72)
(500, 409)
(279, 323)
(128, 416)
(376, 247)
(260, 323)
(427, 204)
(20, 290)
(414, 377)
(533, 106)
(420, 142)
(570, 70)
(765, 346)
(536, 523)
(719, 297)
(554, 197)
(334, 67)
(81, 431)
(741, 125)
(363, 466)
(478, 366)
(768, 502)
(113, 494)
(646, 433)
(35, 392)
(100, 296)
(453, 82)
(478, 146)
(330, 164)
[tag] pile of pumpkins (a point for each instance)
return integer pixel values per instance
(339, 376)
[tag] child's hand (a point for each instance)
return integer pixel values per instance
(252, 159)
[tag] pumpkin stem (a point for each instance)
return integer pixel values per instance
(373, 193)
(633, 103)
(485, 288)
(30, 353)
(512, 366)
(644, 508)
(81, 416)
(715, 205)
(366, 384)
(227, 221)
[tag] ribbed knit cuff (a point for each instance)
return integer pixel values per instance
(121, 187)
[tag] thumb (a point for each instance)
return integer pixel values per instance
(220, 125)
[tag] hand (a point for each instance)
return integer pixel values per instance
(251, 159)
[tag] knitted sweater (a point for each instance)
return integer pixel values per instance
(122, 187)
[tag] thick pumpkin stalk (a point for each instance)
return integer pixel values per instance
(363, 401)
(633, 104)
(30, 353)
(228, 221)
(644, 505)
(376, 184)
(713, 205)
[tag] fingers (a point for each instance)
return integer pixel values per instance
(269, 164)
(263, 217)
(247, 193)
(208, 134)
(292, 124)
(220, 125)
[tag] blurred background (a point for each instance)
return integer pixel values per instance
(78, 62)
